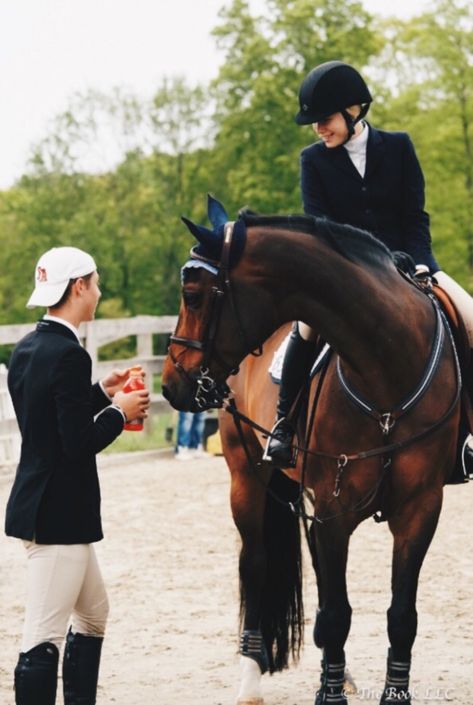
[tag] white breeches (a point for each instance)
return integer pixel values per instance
(62, 580)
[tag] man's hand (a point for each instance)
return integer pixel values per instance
(115, 381)
(133, 404)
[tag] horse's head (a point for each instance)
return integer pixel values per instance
(215, 330)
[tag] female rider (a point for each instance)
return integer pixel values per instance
(367, 178)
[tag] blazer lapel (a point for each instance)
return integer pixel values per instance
(339, 158)
(374, 152)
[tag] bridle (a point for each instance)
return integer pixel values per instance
(210, 393)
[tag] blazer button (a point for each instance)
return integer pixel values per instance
(364, 189)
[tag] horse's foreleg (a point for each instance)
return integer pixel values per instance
(334, 614)
(248, 499)
(253, 652)
(413, 529)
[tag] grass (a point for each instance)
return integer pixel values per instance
(156, 437)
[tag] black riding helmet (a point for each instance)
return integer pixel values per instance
(331, 88)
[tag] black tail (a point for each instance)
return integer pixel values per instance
(282, 612)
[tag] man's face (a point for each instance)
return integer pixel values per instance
(91, 294)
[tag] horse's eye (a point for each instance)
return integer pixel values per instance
(192, 299)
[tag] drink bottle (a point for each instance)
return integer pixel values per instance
(135, 381)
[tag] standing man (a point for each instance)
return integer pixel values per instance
(54, 505)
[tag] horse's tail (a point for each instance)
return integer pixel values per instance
(282, 611)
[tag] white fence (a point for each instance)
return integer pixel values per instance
(95, 334)
(9, 434)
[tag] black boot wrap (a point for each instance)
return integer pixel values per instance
(36, 675)
(80, 669)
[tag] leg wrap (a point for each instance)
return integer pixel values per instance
(80, 669)
(298, 360)
(396, 689)
(252, 645)
(36, 675)
(332, 680)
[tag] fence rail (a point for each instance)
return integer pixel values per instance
(94, 335)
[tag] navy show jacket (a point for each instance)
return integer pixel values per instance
(388, 201)
(55, 498)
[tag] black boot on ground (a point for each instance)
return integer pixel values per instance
(80, 669)
(298, 360)
(36, 675)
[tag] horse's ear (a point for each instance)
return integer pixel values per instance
(216, 212)
(205, 236)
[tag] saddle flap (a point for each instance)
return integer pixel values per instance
(457, 326)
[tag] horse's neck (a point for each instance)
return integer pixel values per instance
(364, 314)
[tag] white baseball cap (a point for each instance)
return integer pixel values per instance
(54, 271)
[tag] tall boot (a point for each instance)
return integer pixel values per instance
(298, 360)
(36, 675)
(80, 668)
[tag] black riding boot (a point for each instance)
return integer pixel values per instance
(298, 360)
(36, 675)
(80, 669)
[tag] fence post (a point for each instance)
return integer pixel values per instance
(10, 439)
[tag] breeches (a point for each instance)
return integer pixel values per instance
(62, 581)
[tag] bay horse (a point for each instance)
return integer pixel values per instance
(379, 437)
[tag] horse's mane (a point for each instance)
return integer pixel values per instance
(353, 243)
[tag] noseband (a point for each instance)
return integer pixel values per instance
(209, 393)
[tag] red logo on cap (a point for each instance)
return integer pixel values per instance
(41, 276)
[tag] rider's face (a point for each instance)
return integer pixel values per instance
(332, 130)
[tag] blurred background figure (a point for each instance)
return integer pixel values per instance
(190, 433)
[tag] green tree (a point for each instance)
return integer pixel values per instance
(258, 144)
(428, 64)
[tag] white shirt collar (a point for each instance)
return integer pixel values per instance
(357, 143)
(63, 322)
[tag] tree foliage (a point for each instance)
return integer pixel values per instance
(237, 138)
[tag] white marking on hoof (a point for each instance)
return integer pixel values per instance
(349, 686)
(250, 683)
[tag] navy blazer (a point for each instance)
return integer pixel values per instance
(388, 201)
(55, 498)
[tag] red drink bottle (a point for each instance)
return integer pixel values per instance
(135, 381)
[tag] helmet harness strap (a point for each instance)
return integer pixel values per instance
(351, 121)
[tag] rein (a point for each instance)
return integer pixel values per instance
(209, 393)
(385, 420)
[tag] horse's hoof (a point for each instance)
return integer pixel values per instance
(250, 701)
(349, 685)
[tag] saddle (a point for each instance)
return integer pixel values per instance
(462, 345)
